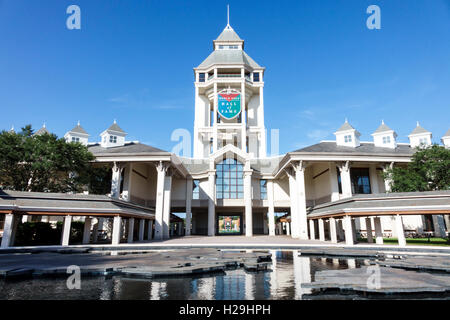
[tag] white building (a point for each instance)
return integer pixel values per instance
(230, 174)
(231, 186)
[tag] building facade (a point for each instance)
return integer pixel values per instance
(231, 186)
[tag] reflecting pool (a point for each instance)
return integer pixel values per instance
(288, 271)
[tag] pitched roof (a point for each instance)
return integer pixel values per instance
(382, 128)
(128, 148)
(447, 134)
(79, 129)
(418, 130)
(41, 131)
(365, 148)
(228, 35)
(229, 57)
(345, 127)
(115, 127)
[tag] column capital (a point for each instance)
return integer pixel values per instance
(387, 166)
(344, 166)
(118, 167)
(163, 166)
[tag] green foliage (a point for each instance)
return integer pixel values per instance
(37, 233)
(100, 180)
(42, 163)
(428, 170)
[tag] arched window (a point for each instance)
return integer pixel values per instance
(230, 179)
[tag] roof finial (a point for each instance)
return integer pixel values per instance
(115, 121)
(346, 120)
(228, 15)
(78, 123)
(382, 121)
(418, 124)
(43, 126)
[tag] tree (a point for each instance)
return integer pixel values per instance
(42, 163)
(428, 170)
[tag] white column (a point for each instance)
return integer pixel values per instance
(347, 221)
(369, 230)
(150, 230)
(126, 193)
(271, 211)
(293, 196)
(161, 169)
(346, 182)
(280, 228)
(244, 123)
(167, 205)
(374, 179)
(248, 202)
(87, 230)
(439, 226)
(263, 150)
(334, 182)
(115, 180)
(387, 181)
(288, 228)
(8, 230)
(117, 226)
(66, 231)
(312, 231)
(354, 229)
(447, 221)
(302, 274)
(211, 203)
(378, 230)
(141, 229)
(321, 230)
(215, 134)
(300, 230)
(189, 189)
(130, 230)
(333, 231)
(400, 230)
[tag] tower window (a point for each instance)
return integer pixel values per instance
(75, 139)
(263, 189)
(230, 179)
(386, 140)
(347, 138)
(201, 77)
(360, 180)
(256, 77)
(196, 189)
(113, 139)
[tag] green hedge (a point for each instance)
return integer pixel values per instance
(42, 233)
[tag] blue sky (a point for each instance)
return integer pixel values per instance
(133, 60)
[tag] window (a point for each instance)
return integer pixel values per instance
(75, 139)
(360, 180)
(256, 77)
(201, 77)
(347, 138)
(263, 189)
(386, 140)
(230, 179)
(113, 139)
(339, 180)
(196, 189)
(423, 140)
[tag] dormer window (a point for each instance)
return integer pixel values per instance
(113, 139)
(423, 141)
(233, 47)
(347, 138)
(386, 140)
(75, 139)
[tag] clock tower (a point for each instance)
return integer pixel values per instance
(229, 100)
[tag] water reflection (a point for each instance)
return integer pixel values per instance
(289, 271)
